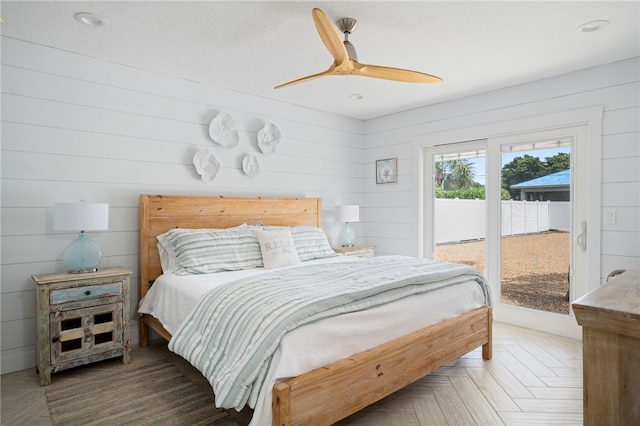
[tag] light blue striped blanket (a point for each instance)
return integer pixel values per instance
(235, 329)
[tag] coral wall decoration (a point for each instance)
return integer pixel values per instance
(207, 165)
(222, 130)
(250, 165)
(268, 138)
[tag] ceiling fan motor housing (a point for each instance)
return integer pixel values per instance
(347, 26)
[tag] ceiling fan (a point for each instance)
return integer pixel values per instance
(345, 58)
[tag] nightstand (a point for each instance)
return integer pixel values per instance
(358, 251)
(82, 318)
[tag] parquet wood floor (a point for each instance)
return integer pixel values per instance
(534, 378)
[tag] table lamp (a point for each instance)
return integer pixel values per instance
(348, 213)
(83, 254)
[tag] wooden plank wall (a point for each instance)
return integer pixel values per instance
(393, 212)
(77, 127)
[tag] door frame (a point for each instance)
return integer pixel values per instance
(591, 118)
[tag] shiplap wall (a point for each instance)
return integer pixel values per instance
(392, 210)
(75, 127)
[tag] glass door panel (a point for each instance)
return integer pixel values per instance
(535, 247)
(459, 206)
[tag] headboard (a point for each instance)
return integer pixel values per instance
(160, 213)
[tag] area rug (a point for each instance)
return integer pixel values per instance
(156, 393)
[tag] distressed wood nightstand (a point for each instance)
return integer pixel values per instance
(359, 251)
(82, 318)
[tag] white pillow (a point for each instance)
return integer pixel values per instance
(167, 260)
(277, 248)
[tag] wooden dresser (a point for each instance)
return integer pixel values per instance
(610, 320)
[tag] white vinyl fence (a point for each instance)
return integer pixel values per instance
(461, 220)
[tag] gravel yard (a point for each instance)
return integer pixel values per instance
(534, 268)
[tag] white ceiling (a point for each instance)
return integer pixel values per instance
(252, 46)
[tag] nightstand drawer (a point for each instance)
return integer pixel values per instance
(82, 293)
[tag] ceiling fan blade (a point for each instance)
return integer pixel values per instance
(330, 36)
(330, 71)
(345, 65)
(395, 74)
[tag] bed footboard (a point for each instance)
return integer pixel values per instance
(331, 393)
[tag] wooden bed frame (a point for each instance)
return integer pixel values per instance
(333, 392)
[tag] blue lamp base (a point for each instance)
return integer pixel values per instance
(82, 255)
(347, 236)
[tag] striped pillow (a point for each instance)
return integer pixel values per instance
(311, 243)
(205, 251)
(165, 248)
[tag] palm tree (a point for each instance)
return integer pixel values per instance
(441, 172)
(463, 174)
(455, 174)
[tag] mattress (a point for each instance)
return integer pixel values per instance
(172, 297)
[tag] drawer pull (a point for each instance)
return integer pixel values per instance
(87, 292)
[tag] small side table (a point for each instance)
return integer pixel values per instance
(82, 318)
(358, 251)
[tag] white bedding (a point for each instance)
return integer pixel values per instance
(172, 297)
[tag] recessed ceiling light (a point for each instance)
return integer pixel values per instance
(91, 20)
(593, 26)
(356, 96)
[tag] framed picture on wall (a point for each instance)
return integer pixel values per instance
(386, 171)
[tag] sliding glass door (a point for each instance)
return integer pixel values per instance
(513, 207)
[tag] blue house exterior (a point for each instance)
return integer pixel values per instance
(553, 187)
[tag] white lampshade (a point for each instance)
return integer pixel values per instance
(83, 254)
(347, 213)
(80, 216)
